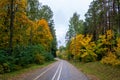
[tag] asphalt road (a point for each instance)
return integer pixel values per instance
(60, 70)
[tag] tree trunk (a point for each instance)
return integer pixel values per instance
(31, 35)
(104, 16)
(11, 26)
(118, 17)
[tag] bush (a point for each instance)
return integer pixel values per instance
(48, 56)
(15, 67)
(1, 69)
(2, 56)
(6, 67)
(22, 56)
(39, 59)
(89, 58)
(111, 59)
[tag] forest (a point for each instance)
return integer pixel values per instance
(27, 34)
(97, 38)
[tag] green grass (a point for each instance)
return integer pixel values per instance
(101, 71)
(11, 75)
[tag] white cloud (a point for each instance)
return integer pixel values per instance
(63, 10)
(61, 32)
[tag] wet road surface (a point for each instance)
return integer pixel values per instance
(60, 70)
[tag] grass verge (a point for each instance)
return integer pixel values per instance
(15, 74)
(98, 71)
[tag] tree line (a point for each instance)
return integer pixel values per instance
(27, 34)
(103, 15)
(98, 37)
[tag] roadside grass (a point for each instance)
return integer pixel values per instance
(12, 75)
(98, 71)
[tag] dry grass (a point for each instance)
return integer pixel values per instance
(98, 71)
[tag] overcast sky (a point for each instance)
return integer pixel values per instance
(63, 10)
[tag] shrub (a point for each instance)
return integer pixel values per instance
(48, 56)
(6, 67)
(111, 59)
(39, 59)
(15, 67)
(89, 58)
(1, 69)
(22, 56)
(2, 56)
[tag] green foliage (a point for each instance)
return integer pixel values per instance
(22, 56)
(32, 9)
(53, 45)
(89, 58)
(4, 62)
(48, 56)
(46, 13)
(29, 37)
(97, 21)
(75, 26)
(15, 67)
(2, 56)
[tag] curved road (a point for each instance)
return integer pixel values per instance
(60, 70)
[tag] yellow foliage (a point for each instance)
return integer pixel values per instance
(3, 3)
(117, 49)
(24, 29)
(39, 59)
(109, 34)
(111, 59)
(42, 34)
(106, 38)
(105, 43)
(57, 52)
(21, 22)
(82, 46)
